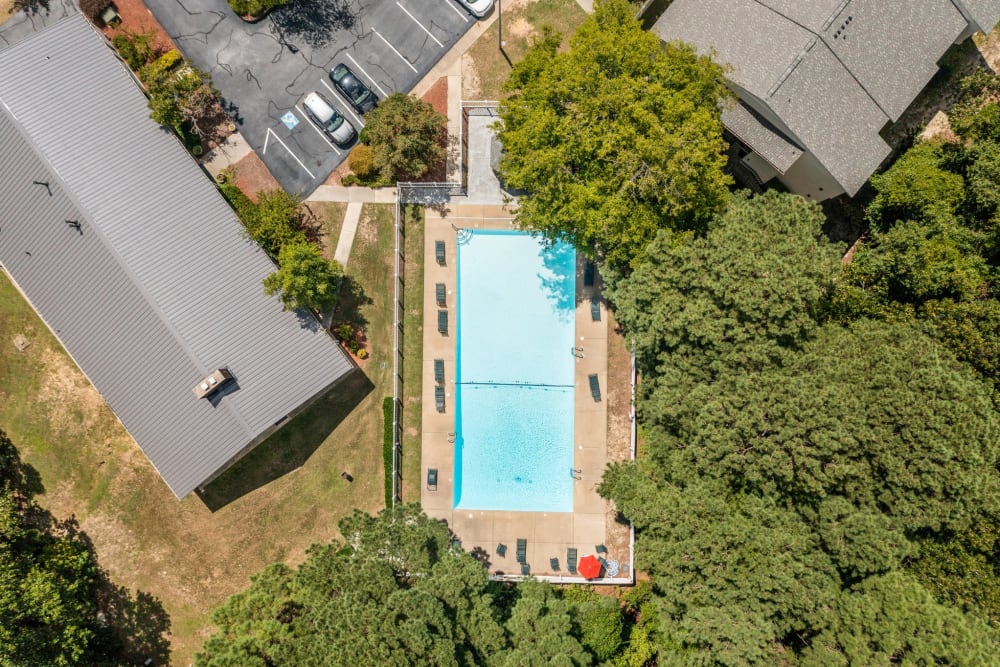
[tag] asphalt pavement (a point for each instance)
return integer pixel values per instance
(264, 69)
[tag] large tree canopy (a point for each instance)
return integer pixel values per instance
(739, 296)
(398, 592)
(614, 139)
(798, 472)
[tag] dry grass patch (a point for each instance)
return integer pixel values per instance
(484, 68)
(285, 495)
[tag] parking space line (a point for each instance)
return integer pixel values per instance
(270, 133)
(408, 63)
(347, 107)
(458, 11)
(367, 75)
(318, 131)
(421, 25)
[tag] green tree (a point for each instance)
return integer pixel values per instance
(407, 137)
(916, 187)
(976, 115)
(742, 295)
(540, 630)
(614, 139)
(892, 619)
(304, 279)
(57, 607)
(394, 592)
(275, 221)
(184, 98)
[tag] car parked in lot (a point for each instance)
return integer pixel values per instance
(354, 91)
(330, 121)
(478, 8)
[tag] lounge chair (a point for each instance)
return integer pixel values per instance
(502, 550)
(595, 387)
(588, 274)
(439, 371)
(432, 479)
(522, 550)
(595, 309)
(554, 564)
(439, 398)
(439, 252)
(601, 549)
(443, 322)
(440, 294)
(571, 560)
(525, 570)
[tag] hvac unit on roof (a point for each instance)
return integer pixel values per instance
(211, 384)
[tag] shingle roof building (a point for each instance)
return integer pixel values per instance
(818, 80)
(140, 268)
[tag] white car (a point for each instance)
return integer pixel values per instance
(478, 8)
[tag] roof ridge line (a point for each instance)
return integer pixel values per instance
(95, 228)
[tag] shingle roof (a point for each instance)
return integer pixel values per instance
(986, 13)
(870, 58)
(159, 286)
(768, 141)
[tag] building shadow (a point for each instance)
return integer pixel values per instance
(290, 446)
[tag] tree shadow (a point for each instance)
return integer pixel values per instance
(130, 629)
(291, 446)
(312, 21)
(559, 281)
(30, 7)
(352, 300)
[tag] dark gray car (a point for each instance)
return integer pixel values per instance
(349, 85)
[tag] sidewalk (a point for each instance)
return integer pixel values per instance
(358, 194)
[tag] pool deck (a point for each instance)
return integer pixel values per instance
(548, 534)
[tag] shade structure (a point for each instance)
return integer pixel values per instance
(589, 567)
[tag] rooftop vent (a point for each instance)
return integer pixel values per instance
(211, 384)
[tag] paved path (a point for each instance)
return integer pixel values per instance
(347, 232)
(353, 194)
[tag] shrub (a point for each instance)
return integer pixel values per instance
(350, 179)
(93, 9)
(153, 74)
(345, 332)
(362, 161)
(362, 353)
(136, 48)
(387, 415)
(254, 8)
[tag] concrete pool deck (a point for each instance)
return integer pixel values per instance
(548, 534)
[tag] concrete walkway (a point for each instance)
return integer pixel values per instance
(347, 232)
(359, 194)
(228, 153)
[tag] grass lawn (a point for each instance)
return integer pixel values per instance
(484, 68)
(413, 348)
(284, 496)
(329, 220)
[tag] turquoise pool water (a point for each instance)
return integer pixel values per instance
(514, 376)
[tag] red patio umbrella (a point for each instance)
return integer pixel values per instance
(589, 567)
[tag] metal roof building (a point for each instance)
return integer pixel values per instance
(817, 80)
(137, 264)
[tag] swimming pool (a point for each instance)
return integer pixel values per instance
(514, 376)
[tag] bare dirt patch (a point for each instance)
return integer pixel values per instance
(72, 401)
(251, 176)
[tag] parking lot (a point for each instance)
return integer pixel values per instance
(264, 69)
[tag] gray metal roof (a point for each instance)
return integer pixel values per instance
(159, 287)
(833, 71)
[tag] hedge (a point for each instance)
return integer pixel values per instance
(387, 415)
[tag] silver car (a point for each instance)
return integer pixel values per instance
(329, 120)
